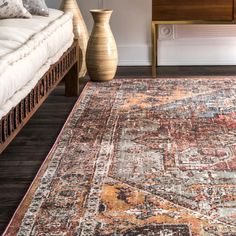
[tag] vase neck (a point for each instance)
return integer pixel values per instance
(69, 4)
(101, 15)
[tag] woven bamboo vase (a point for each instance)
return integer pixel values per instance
(80, 32)
(101, 56)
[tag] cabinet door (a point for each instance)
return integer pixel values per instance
(193, 10)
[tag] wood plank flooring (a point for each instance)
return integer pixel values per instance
(21, 160)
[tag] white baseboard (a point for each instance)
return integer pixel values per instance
(134, 55)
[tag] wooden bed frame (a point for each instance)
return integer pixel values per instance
(66, 67)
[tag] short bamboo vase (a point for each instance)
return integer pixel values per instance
(101, 56)
(80, 32)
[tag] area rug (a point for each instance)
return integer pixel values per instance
(140, 157)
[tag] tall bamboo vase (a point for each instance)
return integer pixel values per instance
(80, 32)
(101, 56)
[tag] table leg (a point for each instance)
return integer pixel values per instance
(154, 49)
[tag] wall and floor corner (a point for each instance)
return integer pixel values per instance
(179, 44)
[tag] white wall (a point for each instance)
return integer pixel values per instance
(178, 45)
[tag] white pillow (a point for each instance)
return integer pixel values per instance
(13, 9)
(36, 7)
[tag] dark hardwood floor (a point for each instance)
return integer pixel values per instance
(20, 162)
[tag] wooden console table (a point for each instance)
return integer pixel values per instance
(189, 12)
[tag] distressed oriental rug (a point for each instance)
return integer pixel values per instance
(140, 157)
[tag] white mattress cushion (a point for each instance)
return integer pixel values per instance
(27, 49)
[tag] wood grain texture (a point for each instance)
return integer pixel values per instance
(234, 10)
(72, 82)
(208, 10)
(101, 56)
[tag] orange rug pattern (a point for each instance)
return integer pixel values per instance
(140, 157)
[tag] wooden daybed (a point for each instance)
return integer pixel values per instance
(19, 115)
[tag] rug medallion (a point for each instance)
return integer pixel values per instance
(140, 157)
